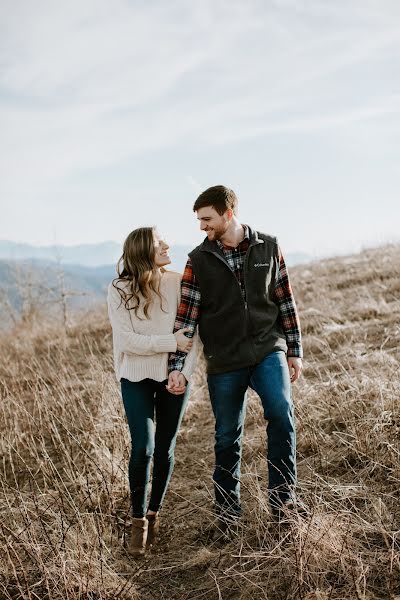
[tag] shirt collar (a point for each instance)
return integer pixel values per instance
(246, 237)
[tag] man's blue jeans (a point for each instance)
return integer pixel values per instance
(271, 380)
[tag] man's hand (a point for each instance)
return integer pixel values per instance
(176, 383)
(295, 367)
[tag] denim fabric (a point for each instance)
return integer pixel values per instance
(270, 379)
(144, 400)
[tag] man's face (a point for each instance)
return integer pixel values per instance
(212, 223)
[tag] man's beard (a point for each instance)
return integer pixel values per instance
(217, 234)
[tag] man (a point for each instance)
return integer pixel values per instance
(236, 288)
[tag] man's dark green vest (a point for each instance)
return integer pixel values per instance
(235, 333)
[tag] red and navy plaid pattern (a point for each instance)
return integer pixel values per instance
(235, 258)
(189, 309)
(283, 297)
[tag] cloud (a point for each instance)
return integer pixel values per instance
(85, 86)
(195, 185)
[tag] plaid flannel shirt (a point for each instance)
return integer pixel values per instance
(189, 309)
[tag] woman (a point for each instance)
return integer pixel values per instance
(142, 305)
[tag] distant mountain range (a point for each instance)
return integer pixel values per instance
(51, 277)
(27, 286)
(106, 253)
(89, 255)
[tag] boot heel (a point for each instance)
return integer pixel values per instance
(154, 528)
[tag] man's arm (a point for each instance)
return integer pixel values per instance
(289, 319)
(288, 311)
(188, 313)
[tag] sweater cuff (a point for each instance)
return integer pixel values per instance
(165, 343)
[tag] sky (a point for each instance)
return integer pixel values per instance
(115, 115)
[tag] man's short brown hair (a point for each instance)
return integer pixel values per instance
(219, 197)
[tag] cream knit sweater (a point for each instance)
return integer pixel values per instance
(141, 347)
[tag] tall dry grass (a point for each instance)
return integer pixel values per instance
(64, 450)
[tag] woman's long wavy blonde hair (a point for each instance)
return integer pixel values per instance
(138, 269)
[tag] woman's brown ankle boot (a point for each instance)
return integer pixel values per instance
(137, 542)
(154, 528)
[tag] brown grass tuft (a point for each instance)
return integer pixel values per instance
(64, 450)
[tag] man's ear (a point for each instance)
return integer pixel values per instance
(229, 214)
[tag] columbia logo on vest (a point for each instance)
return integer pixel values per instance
(261, 264)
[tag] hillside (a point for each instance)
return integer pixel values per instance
(32, 286)
(32, 281)
(64, 447)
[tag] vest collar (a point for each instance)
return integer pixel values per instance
(253, 236)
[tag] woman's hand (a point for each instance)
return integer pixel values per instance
(176, 383)
(183, 344)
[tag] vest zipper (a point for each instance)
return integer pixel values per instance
(245, 265)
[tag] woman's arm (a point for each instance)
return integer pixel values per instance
(129, 341)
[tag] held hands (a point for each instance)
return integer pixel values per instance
(176, 383)
(184, 344)
(295, 367)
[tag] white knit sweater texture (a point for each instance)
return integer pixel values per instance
(141, 346)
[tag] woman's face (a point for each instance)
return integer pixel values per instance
(161, 256)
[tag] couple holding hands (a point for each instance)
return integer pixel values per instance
(235, 296)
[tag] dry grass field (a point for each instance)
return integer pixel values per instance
(64, 451)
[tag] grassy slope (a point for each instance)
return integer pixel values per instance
(65, 505)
